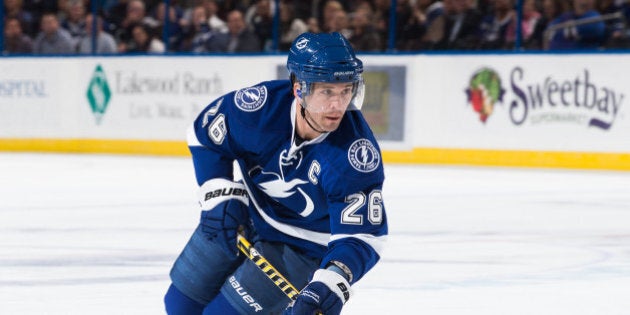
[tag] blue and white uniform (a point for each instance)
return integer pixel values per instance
(313, 208)
(322, 197)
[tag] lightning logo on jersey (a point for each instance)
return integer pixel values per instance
(278, 188)
(251, 99)
(363, 156)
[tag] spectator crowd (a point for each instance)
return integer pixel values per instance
(228, 26)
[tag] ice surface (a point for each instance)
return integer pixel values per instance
(92, 234)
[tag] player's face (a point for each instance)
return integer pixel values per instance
(327, 103)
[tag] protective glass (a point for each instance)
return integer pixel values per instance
(324, 97)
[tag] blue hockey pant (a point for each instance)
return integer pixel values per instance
(202, 271)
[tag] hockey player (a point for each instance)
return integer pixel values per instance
(307, 190)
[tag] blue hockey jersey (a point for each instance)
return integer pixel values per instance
(323, 196)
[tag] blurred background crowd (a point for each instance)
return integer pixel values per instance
(251, 26)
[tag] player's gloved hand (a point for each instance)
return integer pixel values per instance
(326, 294)
(224, 204)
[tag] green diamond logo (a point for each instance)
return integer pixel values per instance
(98, 93)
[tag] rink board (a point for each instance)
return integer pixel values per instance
(538, 110)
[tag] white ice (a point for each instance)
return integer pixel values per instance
(91, 234)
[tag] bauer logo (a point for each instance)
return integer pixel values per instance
(338, 73)
(247, 298)
(251, 99)
(484, 91)
(98, 93)
(364, 156)
(223, 192)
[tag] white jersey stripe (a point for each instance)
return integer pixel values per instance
(191, 137)
(308, 235)
(376, 242)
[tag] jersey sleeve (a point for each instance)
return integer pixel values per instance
(209, 142)
(357, 211)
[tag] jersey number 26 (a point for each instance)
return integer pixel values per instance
(357, 201)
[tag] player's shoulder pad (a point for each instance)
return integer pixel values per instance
(260, 105)
(364, 155)
(253, 109)
(247, 101)
(356, 147)
(254, 98)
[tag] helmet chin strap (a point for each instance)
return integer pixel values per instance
(303, 113)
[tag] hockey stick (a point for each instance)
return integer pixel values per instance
(267, 268)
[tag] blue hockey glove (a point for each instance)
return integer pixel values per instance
(327, 292)
(224, 204)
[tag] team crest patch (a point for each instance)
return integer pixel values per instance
(364, 156)
(251, 99)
